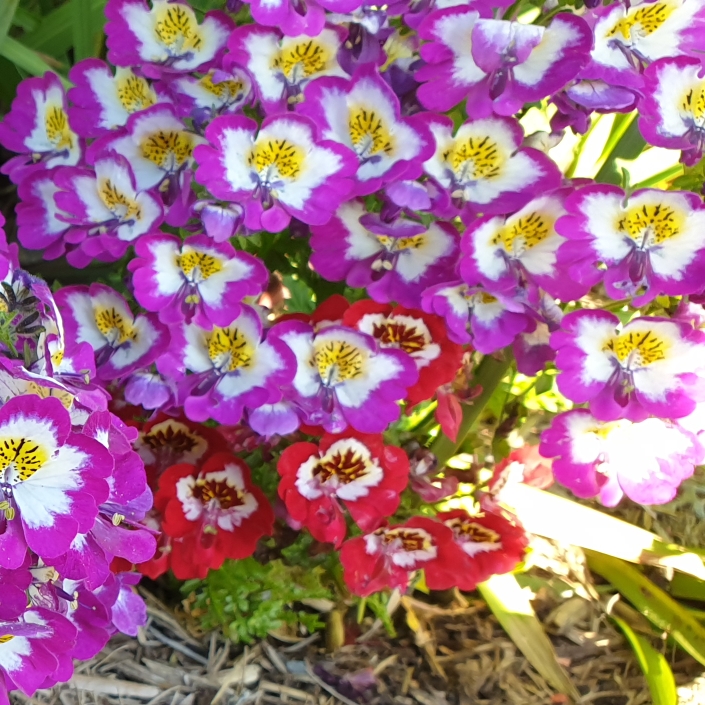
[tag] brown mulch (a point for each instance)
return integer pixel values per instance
(450, 650)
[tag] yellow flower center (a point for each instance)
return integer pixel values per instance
(411, 539)
(693, 102)
(368, 133)
(473, 531)
(168, 149)
(57, 127)
(475, 158)
(397, 244)
(276, 157)
(173, 435)
(345, 465)
(224, 89)
(135, 93)
(5, 638)
(524, 233)
(64, 397)
(637, 349)
(651, 225)
(23, 457)
(338, 361)
(407, 338)
(177, 28)
(57, 358)
(221, 492)
(229, 349)
(198, 265)
(302, 59)
(114, 327)
(117, 202)
(643, 20)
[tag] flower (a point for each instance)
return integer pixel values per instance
(37, 127)
(387, 558)
(363, 114)
(122, 342)
(279, 171)
(51, 479)
(216, 509)
(102, 102)
(498, 65)
(491, 543)
(293, 17)
(194, 279)
(394, 261)
(421, 335)
(519, 251)
(282, 65)
(343, 377)
(648, 243)
(233, 368)
(164, 39)
(672, 113)
(103, 208)
(483, 167)
(647, 460)
(35, 651)
(647, 366)
(354, 469)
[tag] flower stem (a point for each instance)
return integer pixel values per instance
(488, 375)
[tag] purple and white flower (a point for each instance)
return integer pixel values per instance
(648, 366)
(394, 260)
(498, 65)
(122, 342)
(280, 171)
(646, 461)
(194, 279)
(643, 244)
(364, 114)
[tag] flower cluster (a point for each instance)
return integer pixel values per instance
(374, 157)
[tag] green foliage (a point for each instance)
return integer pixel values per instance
(248, 600)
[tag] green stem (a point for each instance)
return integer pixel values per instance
(488, 375)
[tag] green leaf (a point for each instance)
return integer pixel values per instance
(302, 299)
(7, 13)
(653, 663)
(655, 604)
(687, 587)
(511, 605)
(25, 20)
(82, 29)
(26, 59)
(563, 519)
(625, 142)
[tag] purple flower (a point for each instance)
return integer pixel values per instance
(51, 479)
(293, 17)
(343, 378)
(506, 252)
(475, 316)
(648, 366)
(648, 242)
(127, 609)
(647, 461)
(672, 114)
(232, 368)
(364, 115)
(282, 65)
(35, 652)
(14, 583)
(194, 279)
(102, 102)
(497, 65)
(99, 316)
(159, 149)
(220, 222)
(104, 209)
(483, 167)
(37, 127)
(281, 171)
(630, 36)
(164, 39)
(394, 260)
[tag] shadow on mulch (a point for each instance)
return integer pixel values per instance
(449, 654)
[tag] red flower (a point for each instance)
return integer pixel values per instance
(387, 557)
(524, 465)
(356, 469)
(491, 543)
(216, 512)
(421, 335)
(166, 441)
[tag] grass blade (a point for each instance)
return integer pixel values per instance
(564, 520)
(7, 13)
(26, 59)
(653, 663)
(511, 605)
(655, 604)
(82, 29)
